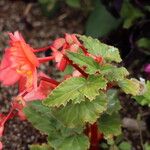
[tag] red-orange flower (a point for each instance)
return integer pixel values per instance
(59, 47)
(19, 63)
(43, 89)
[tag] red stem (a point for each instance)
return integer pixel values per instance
(94, 137)
(84, 50)
(41, 49)
(45, 59)
(76, 67)
(49, 80)
(9, 115)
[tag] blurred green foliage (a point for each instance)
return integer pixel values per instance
(146, 146)
(119, 144)
(73, 3)
(129, 13)
(100, 20)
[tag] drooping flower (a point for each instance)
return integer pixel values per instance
(59, 47)
(19, 63)
(43, 89)
(69, 43)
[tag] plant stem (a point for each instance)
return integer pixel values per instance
(42, 49)
(94, 137)
(45, 59)
(76, 67)
(49, 80)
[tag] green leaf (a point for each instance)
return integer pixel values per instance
(74, 89)
(113, 73)
(73, 115)
(68, 70)
(74, 142)
(125, 146)
(83, 60)
(73, 3)
(93, 84)
(110, 125)
(113, 102)
(40, 147)
(97, 48)
(145, 98)
(100, 21)
(40, 116)
(130, 86)
(130, 14)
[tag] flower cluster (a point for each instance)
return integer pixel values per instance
(20, 66)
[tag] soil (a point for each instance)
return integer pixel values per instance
(39, 31)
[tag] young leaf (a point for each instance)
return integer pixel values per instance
(95, 47)
(145, 98)
(73, 88)
(40, 116)
(74, 115)
(113, 102)
(73, 142)
(82, 60)
(40, 147)
(131, 86)
(113, 73)
(110, 125)
(101, 21)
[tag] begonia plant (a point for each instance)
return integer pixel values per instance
(79, 111)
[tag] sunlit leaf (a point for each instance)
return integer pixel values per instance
(130, 86)
(82, 60)
(75, 89)
(113, 73)
(97, 48)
